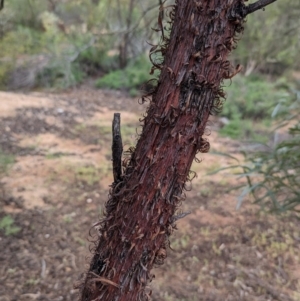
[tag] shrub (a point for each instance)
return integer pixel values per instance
(249, 105)
(273, 175)
(48, 59)
(5, 162)
(95, 60)
(245, 130)
(7, 225)
(15, 47)
(251, 98)
(131, 78)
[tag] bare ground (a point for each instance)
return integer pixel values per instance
(57, 186)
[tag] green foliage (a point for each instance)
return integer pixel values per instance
(245, 130)
(7, 225)
(33, 58)
(24, 13)
(270, 42)
(5, 161)
(15, 45)
(273, 175)
(131, 78)
(57, 44)
(251, 98)
(96, 59)
(250, 101)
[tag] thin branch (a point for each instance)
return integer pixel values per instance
(133, 27)
(79, 50)
(257, 5)
(1, 4)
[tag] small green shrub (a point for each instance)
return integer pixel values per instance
(249, 105)
(60, 73)
(7, 225)
(131, 78)
(245, 130)
(113, 80)
(39, 59)
(273, 174)
(251, 98)
(15, 48)
(96, 59)
(5, 161)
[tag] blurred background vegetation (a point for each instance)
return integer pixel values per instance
(57, 44)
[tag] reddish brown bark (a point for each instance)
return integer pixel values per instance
(140, 212)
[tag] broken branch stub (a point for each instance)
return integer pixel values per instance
(117, 148)
(260, 4)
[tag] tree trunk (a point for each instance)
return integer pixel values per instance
(140, 211)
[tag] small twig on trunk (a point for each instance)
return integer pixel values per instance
(1, 4)
(117, 148)
(257, 5)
